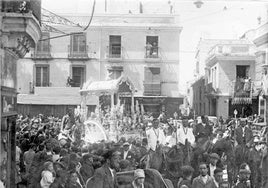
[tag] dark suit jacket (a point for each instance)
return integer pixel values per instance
(198, 183)
(239, 135)
(241, 185)
(130, 156)
(202, 131)
(103, 178)
(218, 165)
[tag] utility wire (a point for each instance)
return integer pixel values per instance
(68, 34)
(91, 17)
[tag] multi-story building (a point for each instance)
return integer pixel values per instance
(261, 42)
(199, 97)
(145, 48)
(230, 69)
(20, 29)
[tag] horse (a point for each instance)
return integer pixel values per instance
(203, 146)
(224, 147)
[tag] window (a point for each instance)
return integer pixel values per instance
(78, 43)
(115, 46)
(42, 76)
(200, 93)
(242, 71)
(78, 76)
(43, 46)
(152, 85)
(151, 47)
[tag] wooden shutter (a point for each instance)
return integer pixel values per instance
(38, 76)
(152, 84)
(45, 76)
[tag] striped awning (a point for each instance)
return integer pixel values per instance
(241, 100)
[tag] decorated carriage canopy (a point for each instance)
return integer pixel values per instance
(122, 85)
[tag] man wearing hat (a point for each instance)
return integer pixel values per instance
(126, 154)
(203, 129)
(254, 161)
(244, 175)
(243, 134)
(105, 176)
(156, 138)
(244, 139)
(185, 133)
(138, 182)
(185, 138)
(213, 163)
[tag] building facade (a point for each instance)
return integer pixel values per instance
(230, 72)
(199, 98)
(19, 30)
(145, 48)
(261, 42)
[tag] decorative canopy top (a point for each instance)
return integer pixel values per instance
(108, 86)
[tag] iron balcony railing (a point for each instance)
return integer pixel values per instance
(242, 91)
(114, 51)
(22, 6)
(78, 54)
(42, 54)
(151, 52)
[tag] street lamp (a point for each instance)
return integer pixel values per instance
(198, 3)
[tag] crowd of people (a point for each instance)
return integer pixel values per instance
(206, 155)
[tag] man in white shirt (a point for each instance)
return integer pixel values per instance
(156, 139)
(155, 136)
(185, 133)
(127, 154)
(185, 139)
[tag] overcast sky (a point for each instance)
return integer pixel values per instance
(216, 19)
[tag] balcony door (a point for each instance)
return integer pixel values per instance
(115, 46)
(151, 46)
(78, 75)
(242, 71)
(42, 76)
(78, 43)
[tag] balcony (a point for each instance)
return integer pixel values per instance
(234, 51)
(22, 7)
(210, 90)
(22, 18)
(242, 91)
(78, 54)
(152, 54)
(37, 54)
(261, 35)
(114, 53)
(152, 89)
